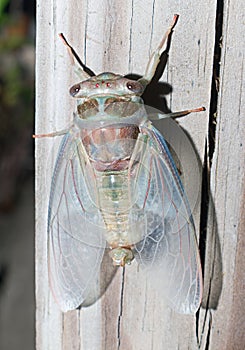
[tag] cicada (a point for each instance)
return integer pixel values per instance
(116, 190)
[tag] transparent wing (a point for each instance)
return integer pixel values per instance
(75, 226)
(168, 251)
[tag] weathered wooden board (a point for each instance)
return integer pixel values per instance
(118, 37)
(225, 236)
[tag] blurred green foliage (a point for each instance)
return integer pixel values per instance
(16, 74)
(16, 101)
(16, 97)
(3, 15)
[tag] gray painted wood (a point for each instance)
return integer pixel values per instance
(111, 36)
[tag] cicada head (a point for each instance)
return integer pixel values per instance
(107, 96)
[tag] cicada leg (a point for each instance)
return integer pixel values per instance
(51, 134)
(179, 114)
(84, 72)
(155, 57)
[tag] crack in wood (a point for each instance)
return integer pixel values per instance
(207, 313)
(208, 157)
(120, 311)
(215, 78)
(130, 37)
(209, 331)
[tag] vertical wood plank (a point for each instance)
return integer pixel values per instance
(225, 319)
(112, 37)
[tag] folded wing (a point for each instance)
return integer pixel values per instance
(168, 251)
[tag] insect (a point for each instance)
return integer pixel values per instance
(115, 188)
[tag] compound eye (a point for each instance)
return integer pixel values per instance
(135, 87)
(74, 90)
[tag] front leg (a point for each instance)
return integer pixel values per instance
(155, 57)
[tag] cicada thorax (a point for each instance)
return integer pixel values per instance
(109, 150)
(110, 106)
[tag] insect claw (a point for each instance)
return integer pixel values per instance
(175, 20)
